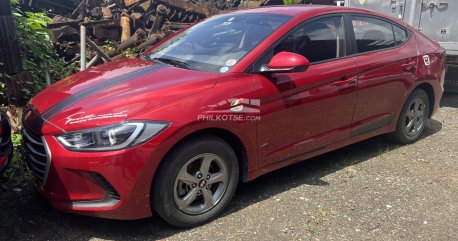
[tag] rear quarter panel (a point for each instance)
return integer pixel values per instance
(433, 73)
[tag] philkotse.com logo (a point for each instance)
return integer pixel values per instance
(236, 109)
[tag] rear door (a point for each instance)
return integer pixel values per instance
(386, 59)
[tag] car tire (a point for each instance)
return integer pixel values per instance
(182, 189)
(413, 117)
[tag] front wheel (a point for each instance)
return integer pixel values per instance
(196, 181)
(412, 120)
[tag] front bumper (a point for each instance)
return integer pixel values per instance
(112, 184)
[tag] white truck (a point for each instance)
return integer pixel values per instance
(437, 19)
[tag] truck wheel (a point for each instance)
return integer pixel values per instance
(196, 181)
(413, 117)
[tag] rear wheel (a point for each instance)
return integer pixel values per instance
(196, 181)
(412, 120)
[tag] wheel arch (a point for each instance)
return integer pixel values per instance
(232, 139)
(428, 88)
(425, 86)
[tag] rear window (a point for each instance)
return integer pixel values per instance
(372, 34)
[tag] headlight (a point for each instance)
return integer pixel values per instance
(111, 138)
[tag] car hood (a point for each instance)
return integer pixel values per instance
(111, 93)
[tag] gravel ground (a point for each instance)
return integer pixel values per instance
(373, 190)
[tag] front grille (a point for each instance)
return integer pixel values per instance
(5, 138)
(35, 154)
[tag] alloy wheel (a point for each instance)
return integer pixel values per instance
(201, 183)
(415, 117)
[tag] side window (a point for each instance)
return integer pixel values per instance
(319, 40)
(400, 35)
(372, 34)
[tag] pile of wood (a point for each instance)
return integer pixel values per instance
(130, 24)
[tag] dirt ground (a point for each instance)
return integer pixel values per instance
(373, 190)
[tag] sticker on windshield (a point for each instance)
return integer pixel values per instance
(231, 62)
(223, 69)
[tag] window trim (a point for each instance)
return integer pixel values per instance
(346, 41)
(352, 38)
(394, 35)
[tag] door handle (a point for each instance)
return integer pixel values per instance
(411, 66)
(345, 83)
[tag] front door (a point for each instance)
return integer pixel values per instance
(305, 111)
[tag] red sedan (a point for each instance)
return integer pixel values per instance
(223, 102)
(6, 146)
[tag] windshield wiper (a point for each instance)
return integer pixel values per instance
(173, 62)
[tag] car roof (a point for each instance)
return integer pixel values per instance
(284, 10)
(296, 10)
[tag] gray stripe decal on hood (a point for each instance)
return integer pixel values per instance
(58, 107)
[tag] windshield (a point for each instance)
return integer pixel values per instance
(217, 44)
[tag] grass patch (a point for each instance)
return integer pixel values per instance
(315, 220)
(350, 172)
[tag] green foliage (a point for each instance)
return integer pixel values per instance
(289, 2)
(130, 52)
(37, 51)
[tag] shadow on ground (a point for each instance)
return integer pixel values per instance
(26, 215)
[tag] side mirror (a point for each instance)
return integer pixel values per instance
(287, 62)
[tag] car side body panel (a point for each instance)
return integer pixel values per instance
(303, 112)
